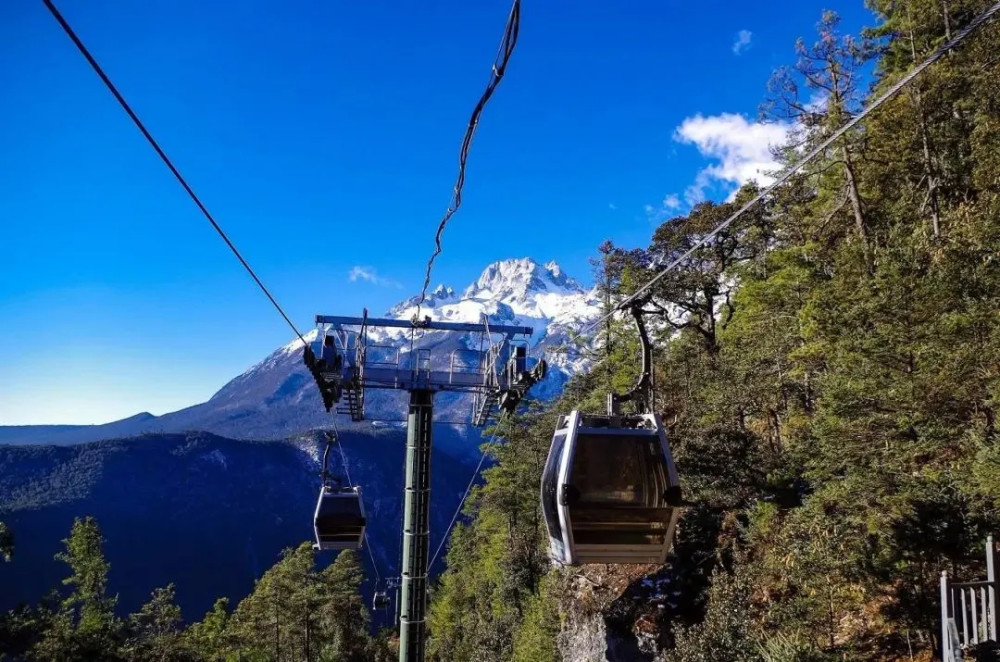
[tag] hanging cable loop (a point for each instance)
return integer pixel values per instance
(499, 67)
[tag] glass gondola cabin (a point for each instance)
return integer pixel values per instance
(339, 519)
(610, 492)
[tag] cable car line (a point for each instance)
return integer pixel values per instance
(507, 44)
(436, 422)
(166, 160)
(468, 490)
(347, 474)
(610, 491)
(794, 168)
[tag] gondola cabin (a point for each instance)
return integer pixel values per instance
(610, 492)
(339, 519)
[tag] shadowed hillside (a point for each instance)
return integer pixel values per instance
(207, 513)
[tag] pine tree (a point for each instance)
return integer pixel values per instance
(295, 613)
(84, 625)
(6, 542)
(819, 95)
(155, 631)
(209, 638)
(344, 618)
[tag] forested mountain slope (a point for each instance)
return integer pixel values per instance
(296, 611)
(829, 368)
(205, 513)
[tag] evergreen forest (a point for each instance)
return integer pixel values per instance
(295, 612)
(829, 370)
(828, 367)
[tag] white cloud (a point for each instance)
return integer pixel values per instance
(742, 42)
(671, 202)
(670, 205)
(612, 206)
(817, 102)
(740, 149)
(370, 275)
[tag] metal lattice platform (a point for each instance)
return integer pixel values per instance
(345, 362)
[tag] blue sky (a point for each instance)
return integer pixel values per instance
(324, 138)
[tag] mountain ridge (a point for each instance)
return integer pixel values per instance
(275, 398)
(203, 511)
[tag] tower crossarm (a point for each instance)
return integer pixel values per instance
(425, 324)
(344, 363)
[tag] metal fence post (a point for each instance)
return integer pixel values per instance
(991, 591)
(945, 644)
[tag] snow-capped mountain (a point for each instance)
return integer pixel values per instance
(258, 497)
(521, 292)
(526, 287)
(276, 398)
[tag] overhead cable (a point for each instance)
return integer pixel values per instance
(350, 483)
(468, 490)
(166, 160)
(506, 49)
(787, 174)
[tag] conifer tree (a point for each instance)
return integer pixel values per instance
(6, 542)
(344, 618)
(155, 631)
(84, 625)
(209, 638)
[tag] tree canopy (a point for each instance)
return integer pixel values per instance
(828, 370)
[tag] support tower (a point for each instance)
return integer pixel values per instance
(344, 364)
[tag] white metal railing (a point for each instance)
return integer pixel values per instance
(422, 362)
(466, 361)
(382, 356)
(969, 610)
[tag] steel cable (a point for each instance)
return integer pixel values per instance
(468, 490)
(166, 160)
(787, 174)
(507, 44)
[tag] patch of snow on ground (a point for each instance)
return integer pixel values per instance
(218, 457)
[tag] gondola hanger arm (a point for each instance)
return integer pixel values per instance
(641, 394)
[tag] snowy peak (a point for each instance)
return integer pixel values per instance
(556, 272)
(277, 397)
(442, 292)
(518, 281)
(519, 292)
(506, 290)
